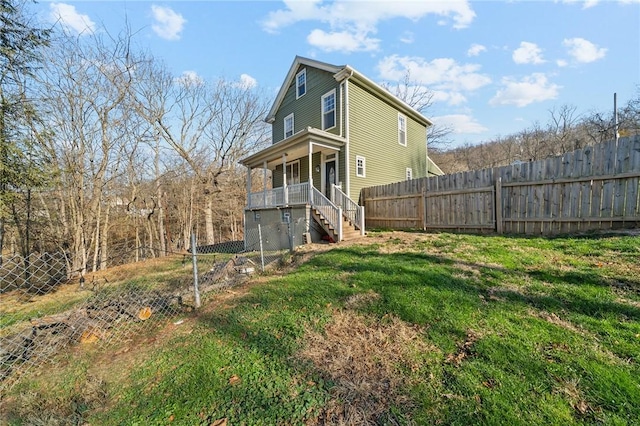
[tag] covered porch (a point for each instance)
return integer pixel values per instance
(305, 172)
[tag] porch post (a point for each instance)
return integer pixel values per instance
(310, 172)
(249, 187)
(264, 184)
(284, 179)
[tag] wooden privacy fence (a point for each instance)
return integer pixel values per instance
(592, 188)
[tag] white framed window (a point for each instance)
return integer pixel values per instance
(402, 130)
(288, 126)
(329, 110)
(409, 173)
(293, 172)
(301, 83)
(361, 166)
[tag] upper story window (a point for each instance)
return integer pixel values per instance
(288, 126)
(329, 110)
(301, 83)
(402, 129)
(360, 166)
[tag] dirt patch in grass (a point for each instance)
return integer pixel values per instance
(556, 320)
(364, 357)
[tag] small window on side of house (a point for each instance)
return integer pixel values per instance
(288, 126)
(402, 130)
(329, 110)
(360, 166)
(301, 83)
(409, 173)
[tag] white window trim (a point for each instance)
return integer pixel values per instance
(335, 107)
(405, 129)
(304, 71)
(364, 166)
(293, 125)
(290, 176)
(409, 173)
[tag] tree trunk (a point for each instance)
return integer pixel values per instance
(208, 219)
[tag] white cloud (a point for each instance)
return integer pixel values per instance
(407, 37)
(460, 123)
(586, 4)
(562, 63)
(168, 24)
(442, 73)
(583, 50)
(67, 15)
(343, 41)
(444, 77)
(533, 88)
(528, 53)
(476, 49)
(248, 82)
(189, 78)
(347, 13)
(350, 23)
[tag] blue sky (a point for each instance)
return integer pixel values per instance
(494, 67)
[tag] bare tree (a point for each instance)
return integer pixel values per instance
(210, 127)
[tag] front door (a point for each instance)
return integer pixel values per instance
(329, 177)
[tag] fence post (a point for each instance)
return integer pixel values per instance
(498, 199)
(291, 236)
(362, 231)
(424, 209)
(194, 260)
(261, 250)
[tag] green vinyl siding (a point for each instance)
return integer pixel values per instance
(373, 134)
(307, 109)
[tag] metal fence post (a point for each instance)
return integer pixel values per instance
(261, 250)
(194, 258)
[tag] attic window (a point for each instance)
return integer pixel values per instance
(402, 129)
(301, 83)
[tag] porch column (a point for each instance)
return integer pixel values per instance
(249, 187)
(310, 172)
(284, 179)
(264, 184)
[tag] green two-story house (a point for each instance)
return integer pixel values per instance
(334, 132)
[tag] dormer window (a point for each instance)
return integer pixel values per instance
(288, 126)
(301, 83)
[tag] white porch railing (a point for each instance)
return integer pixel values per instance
(350, 209)
(331, 212)
(301, 193)
(294, 194)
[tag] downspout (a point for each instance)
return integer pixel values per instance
(347, 164)
(249, 186)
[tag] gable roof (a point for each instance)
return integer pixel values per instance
(341, 73)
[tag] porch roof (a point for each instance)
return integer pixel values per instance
(294, 147)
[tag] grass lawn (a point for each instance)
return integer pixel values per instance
(400, 328)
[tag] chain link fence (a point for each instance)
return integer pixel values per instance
(45, 307)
